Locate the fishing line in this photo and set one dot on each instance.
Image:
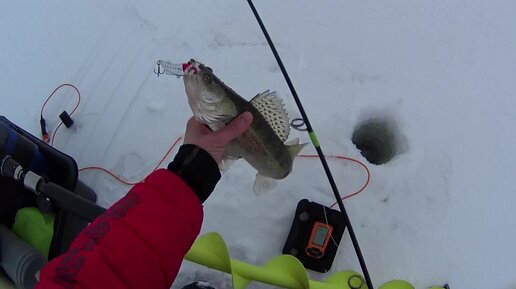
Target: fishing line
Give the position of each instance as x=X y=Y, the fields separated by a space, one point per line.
x=317 y=146
x=327 y=224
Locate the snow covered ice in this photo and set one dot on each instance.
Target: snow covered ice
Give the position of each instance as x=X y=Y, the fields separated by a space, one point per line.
x=441 y=211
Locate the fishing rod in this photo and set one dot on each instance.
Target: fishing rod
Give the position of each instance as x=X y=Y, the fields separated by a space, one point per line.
x=318 y=148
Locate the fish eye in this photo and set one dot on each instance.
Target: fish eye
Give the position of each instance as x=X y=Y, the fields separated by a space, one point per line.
x=209 y=68
x=206 y=77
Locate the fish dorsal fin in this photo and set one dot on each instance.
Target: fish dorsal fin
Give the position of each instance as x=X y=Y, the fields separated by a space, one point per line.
x=270 y=106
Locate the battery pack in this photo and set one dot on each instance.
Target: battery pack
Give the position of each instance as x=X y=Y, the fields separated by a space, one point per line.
x=315 y=228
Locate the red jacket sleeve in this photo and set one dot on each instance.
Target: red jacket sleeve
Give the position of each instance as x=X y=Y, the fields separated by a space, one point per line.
x=139 y=242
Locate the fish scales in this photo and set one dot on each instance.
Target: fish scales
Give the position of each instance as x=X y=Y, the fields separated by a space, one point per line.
x=215 y=104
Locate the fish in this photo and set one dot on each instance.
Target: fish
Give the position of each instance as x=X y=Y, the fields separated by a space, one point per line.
x=264 y=146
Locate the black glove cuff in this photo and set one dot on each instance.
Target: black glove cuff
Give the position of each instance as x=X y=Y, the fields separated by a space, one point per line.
x=197 y=168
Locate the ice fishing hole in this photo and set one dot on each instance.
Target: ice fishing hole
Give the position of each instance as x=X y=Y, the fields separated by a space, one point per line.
x=377 y=140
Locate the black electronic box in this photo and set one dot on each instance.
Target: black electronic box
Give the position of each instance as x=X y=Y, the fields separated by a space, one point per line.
x=315 y=235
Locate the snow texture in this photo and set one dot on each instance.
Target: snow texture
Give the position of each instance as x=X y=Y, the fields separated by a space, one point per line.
x=441 y=72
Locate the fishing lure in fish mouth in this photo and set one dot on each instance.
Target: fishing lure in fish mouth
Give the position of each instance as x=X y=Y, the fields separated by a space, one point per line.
x=181 y=69
x=265 y=145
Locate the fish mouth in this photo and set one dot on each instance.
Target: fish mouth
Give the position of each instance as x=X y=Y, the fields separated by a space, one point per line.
x=191 y=67
x=195 y=67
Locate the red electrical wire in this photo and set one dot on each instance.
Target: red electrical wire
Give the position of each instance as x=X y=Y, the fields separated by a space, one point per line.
x=73 y=110
x=302 y=156
x=348 y=159
x=108 y=172
x=175 y=143
x=96 y=167
x=128 y=182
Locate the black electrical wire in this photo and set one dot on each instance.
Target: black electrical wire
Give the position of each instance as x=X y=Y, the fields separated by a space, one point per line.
x=317 y=147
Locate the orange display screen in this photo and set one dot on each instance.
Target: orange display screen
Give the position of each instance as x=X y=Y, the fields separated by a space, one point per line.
x=319 y=238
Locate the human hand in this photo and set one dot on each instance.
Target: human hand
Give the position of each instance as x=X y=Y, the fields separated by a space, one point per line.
x=215 y=142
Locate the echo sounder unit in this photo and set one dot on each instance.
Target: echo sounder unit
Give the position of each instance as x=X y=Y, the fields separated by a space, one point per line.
x=315 y=235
